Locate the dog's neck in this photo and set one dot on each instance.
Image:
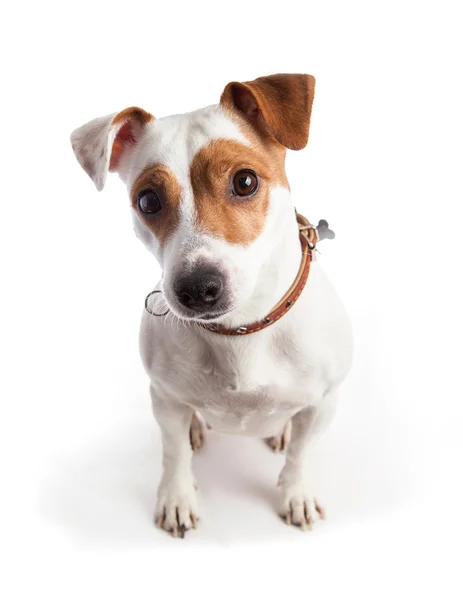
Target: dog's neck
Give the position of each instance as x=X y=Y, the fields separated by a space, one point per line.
x=275 y=277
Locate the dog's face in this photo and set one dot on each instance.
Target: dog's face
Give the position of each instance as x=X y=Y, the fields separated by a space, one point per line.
x=208 y=189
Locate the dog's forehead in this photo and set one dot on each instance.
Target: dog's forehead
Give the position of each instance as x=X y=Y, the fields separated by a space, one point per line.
x=174 y=141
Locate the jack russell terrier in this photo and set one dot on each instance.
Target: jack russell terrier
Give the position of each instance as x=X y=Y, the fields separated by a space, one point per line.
x=262 y=342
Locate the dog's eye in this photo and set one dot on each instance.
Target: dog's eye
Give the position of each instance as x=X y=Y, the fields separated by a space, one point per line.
x=245 y=182
x=148 y=202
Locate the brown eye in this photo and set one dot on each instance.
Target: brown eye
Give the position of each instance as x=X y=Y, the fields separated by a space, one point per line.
x=245 y=183
x=148 y=202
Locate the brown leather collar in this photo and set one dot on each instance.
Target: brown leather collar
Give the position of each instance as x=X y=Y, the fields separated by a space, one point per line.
x=309 y=238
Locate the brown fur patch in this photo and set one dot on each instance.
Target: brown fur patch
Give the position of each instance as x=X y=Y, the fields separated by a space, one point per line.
x=239 y=220
x=162 y=180
x=133 y=113
x=277 y=105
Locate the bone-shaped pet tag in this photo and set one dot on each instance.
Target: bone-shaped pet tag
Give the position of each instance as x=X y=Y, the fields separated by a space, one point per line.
x=323 y=231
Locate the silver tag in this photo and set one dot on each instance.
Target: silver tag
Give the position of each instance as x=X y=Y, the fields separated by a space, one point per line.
x=323 y=231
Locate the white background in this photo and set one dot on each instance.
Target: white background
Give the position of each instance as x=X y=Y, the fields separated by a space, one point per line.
x=80 y=452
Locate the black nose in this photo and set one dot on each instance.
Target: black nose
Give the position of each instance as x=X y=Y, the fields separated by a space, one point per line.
x=199 y=290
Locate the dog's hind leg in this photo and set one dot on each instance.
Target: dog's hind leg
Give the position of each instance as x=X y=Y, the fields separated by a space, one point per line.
x=279 y=443
x=197 y=433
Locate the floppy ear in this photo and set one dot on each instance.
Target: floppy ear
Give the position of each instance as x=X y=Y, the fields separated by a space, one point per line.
x=279 y=105
x=100 y=144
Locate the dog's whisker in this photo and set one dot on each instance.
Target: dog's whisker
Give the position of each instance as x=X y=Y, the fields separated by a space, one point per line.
x=172 y=320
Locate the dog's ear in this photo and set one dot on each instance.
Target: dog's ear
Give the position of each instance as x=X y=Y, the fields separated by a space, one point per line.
x=279 y=105
x=101 y=144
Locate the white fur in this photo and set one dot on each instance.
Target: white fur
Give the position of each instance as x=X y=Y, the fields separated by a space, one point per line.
x=252 y=384
x=92 y=143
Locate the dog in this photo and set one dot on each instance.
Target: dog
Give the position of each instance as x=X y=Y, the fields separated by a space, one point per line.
x=262 y=342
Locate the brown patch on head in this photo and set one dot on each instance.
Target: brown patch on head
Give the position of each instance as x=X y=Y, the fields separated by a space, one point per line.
x=161 y=180
x=277 y=106
x=129 y=122
x=239 y=220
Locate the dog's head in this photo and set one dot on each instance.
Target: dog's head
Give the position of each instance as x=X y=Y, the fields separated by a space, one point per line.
x=208 y=189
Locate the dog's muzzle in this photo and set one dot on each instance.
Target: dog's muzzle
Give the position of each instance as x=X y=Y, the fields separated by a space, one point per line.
x=203 y=289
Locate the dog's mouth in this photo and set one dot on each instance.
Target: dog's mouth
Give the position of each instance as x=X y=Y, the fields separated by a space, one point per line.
x=200 y=317
x=211 y=316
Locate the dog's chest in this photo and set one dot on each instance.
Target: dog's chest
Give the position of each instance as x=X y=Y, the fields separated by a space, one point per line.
x=247 y=388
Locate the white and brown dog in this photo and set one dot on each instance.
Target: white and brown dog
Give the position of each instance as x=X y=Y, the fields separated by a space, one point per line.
x=210 y=199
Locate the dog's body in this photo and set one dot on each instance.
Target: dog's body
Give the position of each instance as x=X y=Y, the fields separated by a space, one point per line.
x=253 y=385
x=210 y=199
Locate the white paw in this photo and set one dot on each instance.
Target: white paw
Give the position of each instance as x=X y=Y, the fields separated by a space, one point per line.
x=176 y=508
x=299 y=507
x=279 y=443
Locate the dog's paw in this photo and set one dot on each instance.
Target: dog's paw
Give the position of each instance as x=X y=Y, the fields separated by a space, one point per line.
x=299 y=507
x=279 y=443
x=197 y=433
x=176 y=509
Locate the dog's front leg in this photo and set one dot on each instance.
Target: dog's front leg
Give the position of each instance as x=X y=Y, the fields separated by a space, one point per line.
x=176 y=508
x=299 y=506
